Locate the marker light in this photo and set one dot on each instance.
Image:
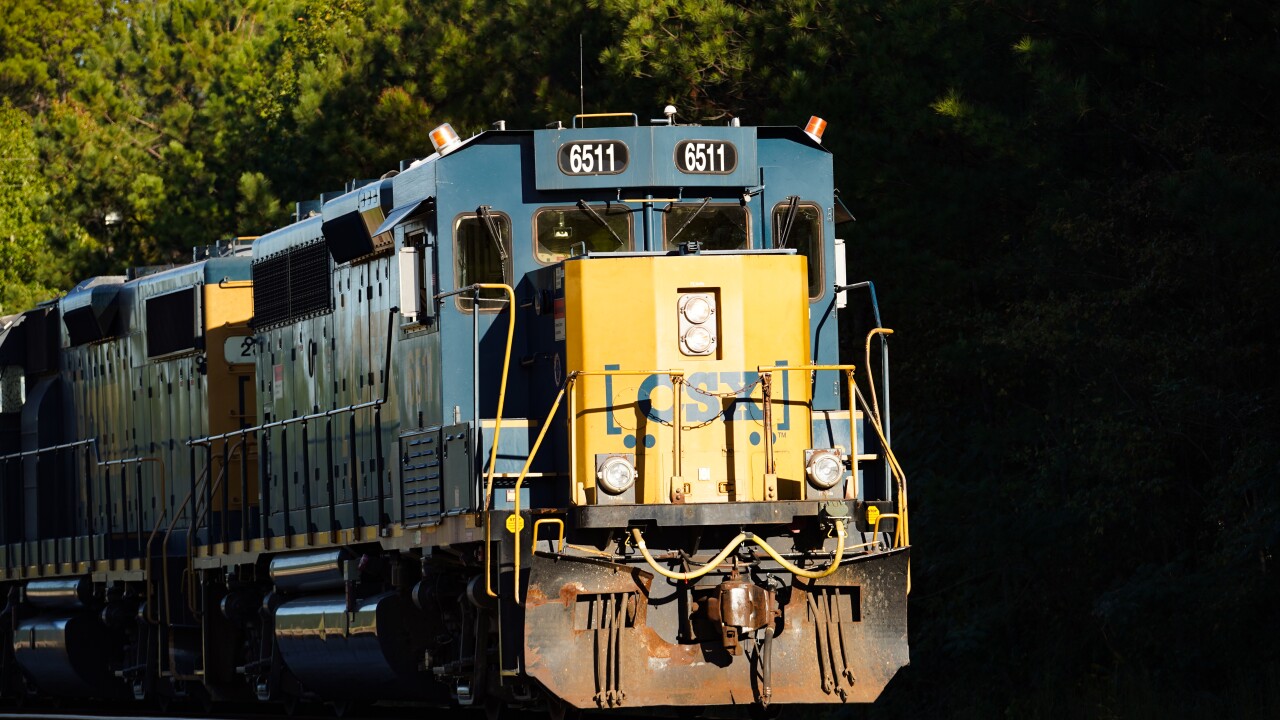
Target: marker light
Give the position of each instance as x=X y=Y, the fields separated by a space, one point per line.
x=445 y=139
x=615 y=473
x=825 y=469
x=815 y=128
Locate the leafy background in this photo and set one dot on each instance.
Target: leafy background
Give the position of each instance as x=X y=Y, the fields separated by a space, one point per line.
x=1069 y=209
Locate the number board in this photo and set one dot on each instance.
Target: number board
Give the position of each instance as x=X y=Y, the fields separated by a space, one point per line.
x=603 y=157
x=706 y=157
x=238 y=349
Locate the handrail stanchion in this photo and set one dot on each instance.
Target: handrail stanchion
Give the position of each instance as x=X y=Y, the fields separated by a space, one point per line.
x=677 y=418
x=354 y=477
x=333 y=503
x=380 y=467
x=39 y=546
x=572 y=411
x=138 y=506
x=766 y=394
x=208 y=497
x=90 y=516
x=477 y=436
x=286 y=509
x=244 y=494
x=306 y=481
x=264 y=484
x=109 y=510
x=853 y=433
x=224 y=530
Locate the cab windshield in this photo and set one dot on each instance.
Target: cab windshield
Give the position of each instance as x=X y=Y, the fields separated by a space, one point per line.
x=561 y=232
x=715 y=226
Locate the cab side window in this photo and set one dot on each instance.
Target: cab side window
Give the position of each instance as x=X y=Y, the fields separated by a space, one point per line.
x=482 y=254
x=798 y=225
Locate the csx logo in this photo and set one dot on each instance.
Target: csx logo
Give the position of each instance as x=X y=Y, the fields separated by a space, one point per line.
x=725 y=394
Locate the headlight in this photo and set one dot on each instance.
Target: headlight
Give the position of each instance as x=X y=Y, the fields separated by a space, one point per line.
x=697 y=327
x=698 y=340
x=615 y=473
x=826 y=469
x=697 y=310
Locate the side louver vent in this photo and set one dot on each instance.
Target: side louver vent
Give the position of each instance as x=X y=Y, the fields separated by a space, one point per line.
x=292 y=285
x=173 y=323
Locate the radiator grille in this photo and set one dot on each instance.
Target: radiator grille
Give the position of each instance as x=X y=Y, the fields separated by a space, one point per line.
x=292 y=285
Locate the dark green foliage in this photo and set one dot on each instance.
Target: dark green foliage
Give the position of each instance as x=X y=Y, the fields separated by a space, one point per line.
x=1069 y=209
x=1091 y=358
x=31 y=234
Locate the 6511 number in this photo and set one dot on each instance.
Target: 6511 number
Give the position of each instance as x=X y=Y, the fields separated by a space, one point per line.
x=706 y=157
x=606 y=157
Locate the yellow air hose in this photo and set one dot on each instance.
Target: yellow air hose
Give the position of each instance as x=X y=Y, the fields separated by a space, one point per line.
x=733 y=544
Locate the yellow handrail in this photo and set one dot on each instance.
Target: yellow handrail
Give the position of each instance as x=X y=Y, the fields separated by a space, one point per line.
x=733 y=544
x=533 y=547
x=582 y=116
x=528 y=461
x=875 y=403
x=902 y=533
x=497 y=430
x=875 y=529
x=902 y=536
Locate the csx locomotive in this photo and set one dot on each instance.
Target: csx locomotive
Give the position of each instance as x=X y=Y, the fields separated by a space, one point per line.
x=553 y=419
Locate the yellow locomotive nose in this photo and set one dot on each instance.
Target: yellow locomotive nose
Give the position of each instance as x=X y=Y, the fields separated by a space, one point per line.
x=667 y=351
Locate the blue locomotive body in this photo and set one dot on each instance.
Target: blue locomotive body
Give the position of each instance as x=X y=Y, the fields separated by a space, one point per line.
x=551 y=418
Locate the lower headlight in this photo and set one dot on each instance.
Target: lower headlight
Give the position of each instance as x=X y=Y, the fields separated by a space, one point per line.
x=698 y=340
x=826 y=469
x=615 y=474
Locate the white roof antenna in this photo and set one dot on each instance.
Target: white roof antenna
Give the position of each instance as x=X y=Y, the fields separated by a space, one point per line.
x=670 y=112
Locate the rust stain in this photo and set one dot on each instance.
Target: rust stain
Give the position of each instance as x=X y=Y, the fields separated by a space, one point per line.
x=569 y=593
x=534 y=597
x=653 y=643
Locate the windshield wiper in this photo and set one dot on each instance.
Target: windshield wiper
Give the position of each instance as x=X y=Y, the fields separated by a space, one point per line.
x=485 y=213
x=486 y=216
x=591 y=212
x=672 y=240
x=793 y=203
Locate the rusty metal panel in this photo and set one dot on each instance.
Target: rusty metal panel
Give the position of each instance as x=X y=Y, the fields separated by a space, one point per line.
x=847 y=654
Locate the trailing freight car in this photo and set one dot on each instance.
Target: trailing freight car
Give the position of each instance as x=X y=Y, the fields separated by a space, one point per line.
x=565 y=418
